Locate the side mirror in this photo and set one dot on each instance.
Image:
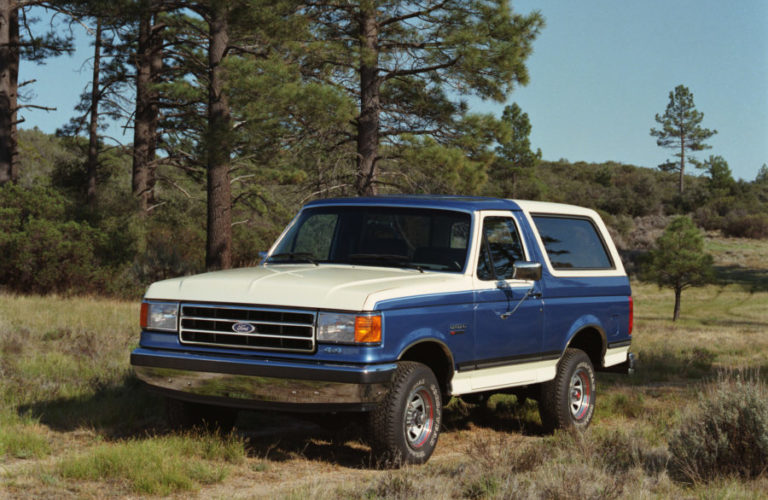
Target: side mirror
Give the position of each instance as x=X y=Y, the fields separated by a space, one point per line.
x=524 y=270
x=262 y=257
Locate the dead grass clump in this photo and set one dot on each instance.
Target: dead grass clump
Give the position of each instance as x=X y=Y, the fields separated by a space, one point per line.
x=577 y=481
x=726 y=435
x=508 y=452
x=498 y=465
x=620 y=451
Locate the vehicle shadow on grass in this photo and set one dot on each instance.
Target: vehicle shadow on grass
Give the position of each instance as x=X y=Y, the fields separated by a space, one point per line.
x=280 y=437
x=502 y=412
x=115 y=411
x=131 y=411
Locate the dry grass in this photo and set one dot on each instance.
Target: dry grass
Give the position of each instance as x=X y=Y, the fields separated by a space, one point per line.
x=75 y=423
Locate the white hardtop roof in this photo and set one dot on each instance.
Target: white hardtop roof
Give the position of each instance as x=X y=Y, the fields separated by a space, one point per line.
x=546 y=207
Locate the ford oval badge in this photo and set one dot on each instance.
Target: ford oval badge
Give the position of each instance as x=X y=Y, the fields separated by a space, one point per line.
x=243 y=328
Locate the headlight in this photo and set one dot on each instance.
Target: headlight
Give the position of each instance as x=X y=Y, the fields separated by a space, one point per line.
x=349 y=328
x=160 y=316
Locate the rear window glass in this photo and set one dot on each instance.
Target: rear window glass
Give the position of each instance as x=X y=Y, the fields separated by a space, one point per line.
x=572 y=243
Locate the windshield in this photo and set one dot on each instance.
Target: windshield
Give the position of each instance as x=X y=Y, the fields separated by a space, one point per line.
x=423 y=239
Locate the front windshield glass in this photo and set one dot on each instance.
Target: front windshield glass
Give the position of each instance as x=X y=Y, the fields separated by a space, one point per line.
x=424 y=239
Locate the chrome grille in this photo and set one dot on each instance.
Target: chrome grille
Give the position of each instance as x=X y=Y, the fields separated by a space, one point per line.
x=270 y=329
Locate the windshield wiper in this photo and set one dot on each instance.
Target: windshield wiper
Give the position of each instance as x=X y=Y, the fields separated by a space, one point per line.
x=396 y=260
x=294 y=257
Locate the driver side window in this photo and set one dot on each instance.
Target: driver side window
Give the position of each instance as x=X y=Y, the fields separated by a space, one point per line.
x=500 y=249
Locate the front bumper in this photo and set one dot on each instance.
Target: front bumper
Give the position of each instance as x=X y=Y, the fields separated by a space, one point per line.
x=263 y=383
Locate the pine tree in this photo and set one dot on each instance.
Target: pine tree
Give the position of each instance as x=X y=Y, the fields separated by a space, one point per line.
x=681 y=130
x=679 y=260
x=720 y=180
x=224 y=123
x=515 y=159
x=17 y=45
x=403 y=61
x=762 y=175
x=148 y=63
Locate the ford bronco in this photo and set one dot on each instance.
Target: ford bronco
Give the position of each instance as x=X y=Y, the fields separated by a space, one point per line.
x=390 y=306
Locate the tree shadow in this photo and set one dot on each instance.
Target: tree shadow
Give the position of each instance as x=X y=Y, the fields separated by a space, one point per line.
x=752 y=280
x=670 y=367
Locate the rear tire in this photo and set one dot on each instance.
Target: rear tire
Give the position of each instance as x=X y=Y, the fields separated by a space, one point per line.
x=184 y=415
x=568 y=401
x=405 y=426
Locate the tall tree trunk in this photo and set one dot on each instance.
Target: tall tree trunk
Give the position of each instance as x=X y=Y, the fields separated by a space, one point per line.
x=156 y=68
x=368 y=123
x=92 y=164
x=678 y=293
x=9 y=67
x=142 y=127
x=219 y=232
x=682 y=166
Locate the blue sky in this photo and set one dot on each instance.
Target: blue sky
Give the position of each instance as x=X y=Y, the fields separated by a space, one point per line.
x=600 y=71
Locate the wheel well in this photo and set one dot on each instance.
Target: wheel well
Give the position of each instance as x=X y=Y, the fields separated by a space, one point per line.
x=436 y=357
x=590 y=341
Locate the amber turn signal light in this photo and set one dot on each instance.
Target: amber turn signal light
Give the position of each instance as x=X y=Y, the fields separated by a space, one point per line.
x=367 y=329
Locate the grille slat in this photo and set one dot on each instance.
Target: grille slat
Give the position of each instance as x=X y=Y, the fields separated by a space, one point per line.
x=233 y=321
x=273 y=329
x=213 y=332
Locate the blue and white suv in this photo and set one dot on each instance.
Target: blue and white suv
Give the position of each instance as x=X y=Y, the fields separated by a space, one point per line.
x=391 y=305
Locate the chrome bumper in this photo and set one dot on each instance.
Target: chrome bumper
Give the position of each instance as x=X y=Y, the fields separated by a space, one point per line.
x=267 y=384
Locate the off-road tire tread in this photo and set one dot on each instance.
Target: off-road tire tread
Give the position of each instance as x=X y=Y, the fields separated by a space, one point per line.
x=382 y=433
x=555 y=415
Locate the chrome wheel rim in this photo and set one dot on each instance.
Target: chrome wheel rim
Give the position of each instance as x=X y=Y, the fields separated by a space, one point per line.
x=580 y=394
x=419 y=417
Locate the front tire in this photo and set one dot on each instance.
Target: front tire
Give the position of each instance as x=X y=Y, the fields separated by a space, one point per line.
x=405 y=426
x=568 y=401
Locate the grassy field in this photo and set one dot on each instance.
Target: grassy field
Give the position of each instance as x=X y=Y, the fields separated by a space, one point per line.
x=75 y=423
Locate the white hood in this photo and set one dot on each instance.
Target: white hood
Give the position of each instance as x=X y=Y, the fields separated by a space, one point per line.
x=351 y=288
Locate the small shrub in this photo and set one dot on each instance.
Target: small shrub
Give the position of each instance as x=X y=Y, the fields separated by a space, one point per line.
x=727 y=435
x=622 y=450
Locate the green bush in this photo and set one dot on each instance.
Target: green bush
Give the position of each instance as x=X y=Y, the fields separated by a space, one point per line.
x=42 y=250
x=753 y=226
x=726 y=436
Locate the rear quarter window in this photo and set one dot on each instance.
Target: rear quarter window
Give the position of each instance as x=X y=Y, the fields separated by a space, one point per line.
x=572 y=243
